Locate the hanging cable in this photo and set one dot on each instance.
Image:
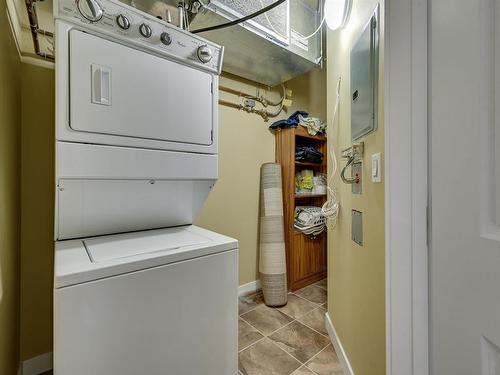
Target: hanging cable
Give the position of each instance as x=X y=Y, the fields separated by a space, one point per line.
x=315 y=31
x=331 y=207
x=239 y=20
x=323 y=19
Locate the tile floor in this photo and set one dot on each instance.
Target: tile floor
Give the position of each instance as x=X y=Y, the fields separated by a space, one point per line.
x=290 y=340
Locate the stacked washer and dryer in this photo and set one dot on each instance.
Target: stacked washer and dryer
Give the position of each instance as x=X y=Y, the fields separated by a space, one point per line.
x=138 y=288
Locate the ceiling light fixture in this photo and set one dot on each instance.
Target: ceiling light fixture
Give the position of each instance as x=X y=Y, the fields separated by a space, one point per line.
x=336 y=13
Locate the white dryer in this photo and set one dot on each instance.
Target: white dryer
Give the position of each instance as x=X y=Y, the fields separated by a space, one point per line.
x=136 y=120
x=138 y=288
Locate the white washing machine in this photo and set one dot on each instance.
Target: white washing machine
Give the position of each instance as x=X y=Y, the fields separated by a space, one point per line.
x=138 y=289
x=152 y=302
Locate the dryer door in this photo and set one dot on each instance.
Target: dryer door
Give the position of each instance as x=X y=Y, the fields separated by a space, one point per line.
x=120 y=91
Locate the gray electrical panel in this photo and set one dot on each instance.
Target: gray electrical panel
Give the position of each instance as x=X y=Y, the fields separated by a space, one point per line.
x=357 y=227
x=364 y=80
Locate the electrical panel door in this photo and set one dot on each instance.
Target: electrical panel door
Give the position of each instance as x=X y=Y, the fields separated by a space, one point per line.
x=364 y=80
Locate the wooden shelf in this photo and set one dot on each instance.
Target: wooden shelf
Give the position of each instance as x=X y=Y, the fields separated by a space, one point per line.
x=306 y=256
x=313 y=165
x=307 y=196
x=301 y=132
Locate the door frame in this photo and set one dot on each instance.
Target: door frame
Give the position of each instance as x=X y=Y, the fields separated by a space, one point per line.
x=406 y=189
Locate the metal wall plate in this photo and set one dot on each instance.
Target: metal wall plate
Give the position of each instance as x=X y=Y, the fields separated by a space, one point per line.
x=357 y=170
x=357 y=227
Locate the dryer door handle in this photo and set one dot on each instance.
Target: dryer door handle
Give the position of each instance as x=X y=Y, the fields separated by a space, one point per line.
x=101 y=85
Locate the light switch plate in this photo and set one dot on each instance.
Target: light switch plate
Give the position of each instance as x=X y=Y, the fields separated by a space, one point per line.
x=377 y=167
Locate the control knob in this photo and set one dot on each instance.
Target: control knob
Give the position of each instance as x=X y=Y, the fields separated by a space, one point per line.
x=145 y=31
x=123 y=22
x=166 y=38
x=204 y=54
x=90 y=9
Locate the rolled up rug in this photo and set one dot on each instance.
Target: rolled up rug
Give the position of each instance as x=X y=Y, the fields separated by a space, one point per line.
x=272 y=263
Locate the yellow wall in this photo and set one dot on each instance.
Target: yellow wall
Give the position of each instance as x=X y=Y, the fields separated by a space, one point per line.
x=37 y=210
x=245 y=144
x=10 y=132
x=232 y=207
x=356 y=275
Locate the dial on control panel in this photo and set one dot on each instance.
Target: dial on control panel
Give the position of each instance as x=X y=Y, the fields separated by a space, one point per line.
x=90 y=10
x=145 y=31
x=204 y=54
x=123 y=22
x=166 y=38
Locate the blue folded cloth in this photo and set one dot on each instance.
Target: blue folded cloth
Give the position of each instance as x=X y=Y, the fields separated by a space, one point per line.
x=308 y=154
x=290 y=122
x=302 y=150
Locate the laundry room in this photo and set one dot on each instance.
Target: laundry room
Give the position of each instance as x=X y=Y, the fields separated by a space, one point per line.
x=208 y=171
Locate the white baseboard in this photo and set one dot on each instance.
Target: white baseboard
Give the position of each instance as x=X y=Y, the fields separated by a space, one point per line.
x=37 y=365
x=248 y=288
x=339 y=349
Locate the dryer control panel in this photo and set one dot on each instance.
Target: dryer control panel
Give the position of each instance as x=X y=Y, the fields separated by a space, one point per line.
x=134 y=27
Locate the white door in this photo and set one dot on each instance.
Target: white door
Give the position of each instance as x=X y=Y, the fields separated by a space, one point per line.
x=464 y=115
x=120 y=91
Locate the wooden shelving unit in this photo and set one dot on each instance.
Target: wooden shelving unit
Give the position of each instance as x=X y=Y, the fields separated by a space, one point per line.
x=306 y=255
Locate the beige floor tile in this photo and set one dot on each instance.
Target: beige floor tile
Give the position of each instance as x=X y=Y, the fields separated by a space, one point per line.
x=297 y=306
x=322 y=283
x=266 y=319
x=300 y=341
x=326 y=363
x=247 y=335
x=265 y=358
x=249 y=302
x=303 y=371
x=313 y=293
x=315 y=320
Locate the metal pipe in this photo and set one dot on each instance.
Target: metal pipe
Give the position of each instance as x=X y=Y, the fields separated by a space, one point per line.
x=35 y=30
x=235 y=92
x=265 y=102
x=264 y=114
x=230 y=104
x=45 y=33
x=180 y=8
x=351 y=180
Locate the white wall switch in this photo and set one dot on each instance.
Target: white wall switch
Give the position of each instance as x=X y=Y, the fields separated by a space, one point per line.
x=377 y=167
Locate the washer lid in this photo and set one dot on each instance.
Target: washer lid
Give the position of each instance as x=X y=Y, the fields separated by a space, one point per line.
x=83 y=260
x=117 y=246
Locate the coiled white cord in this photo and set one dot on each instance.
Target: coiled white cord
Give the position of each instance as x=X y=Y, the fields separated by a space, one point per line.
x=331 y=207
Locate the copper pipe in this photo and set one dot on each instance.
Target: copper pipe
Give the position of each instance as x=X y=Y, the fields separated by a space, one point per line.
x=230 y=104
x=35 y=30
x=236 y=92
